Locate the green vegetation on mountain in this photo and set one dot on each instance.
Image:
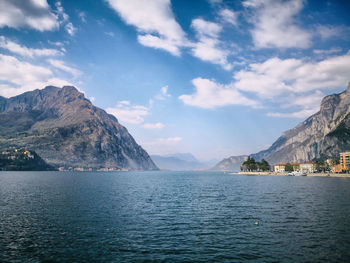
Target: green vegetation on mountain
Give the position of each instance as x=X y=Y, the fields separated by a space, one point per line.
x=22 y=160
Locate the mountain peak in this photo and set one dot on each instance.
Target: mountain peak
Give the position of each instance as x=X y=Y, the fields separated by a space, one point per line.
x=66 y=129
x=324 y=134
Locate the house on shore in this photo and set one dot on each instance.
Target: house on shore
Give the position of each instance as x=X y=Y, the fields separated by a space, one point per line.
x=306 y=167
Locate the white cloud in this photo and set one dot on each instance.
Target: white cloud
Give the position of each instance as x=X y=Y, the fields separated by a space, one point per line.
x=330 y=31
x=310 y=104
x=82 y=16
x=111 y=34
x=155 y=22
x=152 y=126
x=35 y=14
x=289 y=83
x=299 y=114
x=64 y=19
x=19 y=76
x=229 y=16
x=163 y=146
x=294 y=82
x=71 y=30
x=128 y=113
x=163 y=94
x=274 y=24
x=56 y=43
x=276 y=76
x=208 y=47
x=60 y=64
x=215 y=2
x=25 y=51
x=327 y=51
x=210 y=94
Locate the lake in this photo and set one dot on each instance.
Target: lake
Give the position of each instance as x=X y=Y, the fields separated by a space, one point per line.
x=172 y=217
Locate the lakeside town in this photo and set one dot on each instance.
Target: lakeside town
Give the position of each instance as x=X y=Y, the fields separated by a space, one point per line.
x=328 y=167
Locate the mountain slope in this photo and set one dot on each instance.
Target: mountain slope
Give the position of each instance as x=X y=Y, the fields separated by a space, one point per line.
x=65 y=129
x=232 y=163
x=178 y=162
x=324 y=134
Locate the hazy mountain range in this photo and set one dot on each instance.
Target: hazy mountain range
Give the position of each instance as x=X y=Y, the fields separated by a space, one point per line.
x=181 y=162
x=324 y=134
x=65 y=129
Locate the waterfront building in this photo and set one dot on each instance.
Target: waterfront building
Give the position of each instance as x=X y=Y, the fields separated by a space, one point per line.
x=307 y=167
x=345 y=160
x=337 y=168
x=280 y=168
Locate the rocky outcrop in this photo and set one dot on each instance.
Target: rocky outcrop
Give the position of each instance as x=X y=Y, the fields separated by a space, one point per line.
x=324 y=134
x=65 y=129
x=232 y=163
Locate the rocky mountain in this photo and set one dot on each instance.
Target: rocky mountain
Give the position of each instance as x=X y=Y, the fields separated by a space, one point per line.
x=65 y=129
x=179 y=162
x=232 y=163
x=322 y=135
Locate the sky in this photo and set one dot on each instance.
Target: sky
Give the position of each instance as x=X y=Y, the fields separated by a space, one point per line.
x=213 y=78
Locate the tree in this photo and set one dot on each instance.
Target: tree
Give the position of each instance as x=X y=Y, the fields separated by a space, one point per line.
x=334 y=161
x=249 y=164
x=264 y=165
x=289 y=168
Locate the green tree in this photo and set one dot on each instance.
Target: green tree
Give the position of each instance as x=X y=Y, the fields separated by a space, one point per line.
x=289 y=168
x=334 y=161
x=249 y=164
x=264 y=165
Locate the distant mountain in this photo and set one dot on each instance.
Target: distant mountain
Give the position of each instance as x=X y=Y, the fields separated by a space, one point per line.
x=65 y=129
x=324 y=134
x=188 y=157
x=179 y=162
x=232 y=163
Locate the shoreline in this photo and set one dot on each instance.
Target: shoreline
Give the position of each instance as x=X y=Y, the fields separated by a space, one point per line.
x=286 y=174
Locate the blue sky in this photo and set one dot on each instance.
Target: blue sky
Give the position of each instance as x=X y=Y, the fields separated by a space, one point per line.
x=210 y=77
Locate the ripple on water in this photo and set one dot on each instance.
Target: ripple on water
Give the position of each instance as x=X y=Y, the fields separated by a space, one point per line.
x=172 y=217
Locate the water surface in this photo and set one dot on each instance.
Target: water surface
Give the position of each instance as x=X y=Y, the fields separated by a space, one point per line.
x=172 y=217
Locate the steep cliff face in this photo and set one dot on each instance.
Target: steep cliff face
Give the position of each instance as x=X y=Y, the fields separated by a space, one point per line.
x=232 y=163
x=324 y=134
x=65 y=129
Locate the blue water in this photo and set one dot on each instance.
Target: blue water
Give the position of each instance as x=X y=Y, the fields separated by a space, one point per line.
x=172 y=217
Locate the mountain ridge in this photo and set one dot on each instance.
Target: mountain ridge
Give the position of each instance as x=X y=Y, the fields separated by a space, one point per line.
x=180 y=162
x=66 y=129
x=322 y=135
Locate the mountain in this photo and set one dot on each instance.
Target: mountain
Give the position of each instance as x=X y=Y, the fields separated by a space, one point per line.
x=188 y=157
x=66 y=130
x=22 y=160
x=232 y=163
x=324 y=134
x=179 y=162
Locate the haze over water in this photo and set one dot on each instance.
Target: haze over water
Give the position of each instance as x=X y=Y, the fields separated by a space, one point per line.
x=172 y=217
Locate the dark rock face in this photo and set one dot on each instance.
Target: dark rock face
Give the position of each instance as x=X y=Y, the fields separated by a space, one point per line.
x=65 y=129
x=324 y=134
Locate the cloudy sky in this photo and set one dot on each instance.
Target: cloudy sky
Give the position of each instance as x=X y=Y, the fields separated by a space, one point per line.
x=211 y=77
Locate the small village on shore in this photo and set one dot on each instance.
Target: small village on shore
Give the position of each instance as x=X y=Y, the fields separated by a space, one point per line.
x=332 y=167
